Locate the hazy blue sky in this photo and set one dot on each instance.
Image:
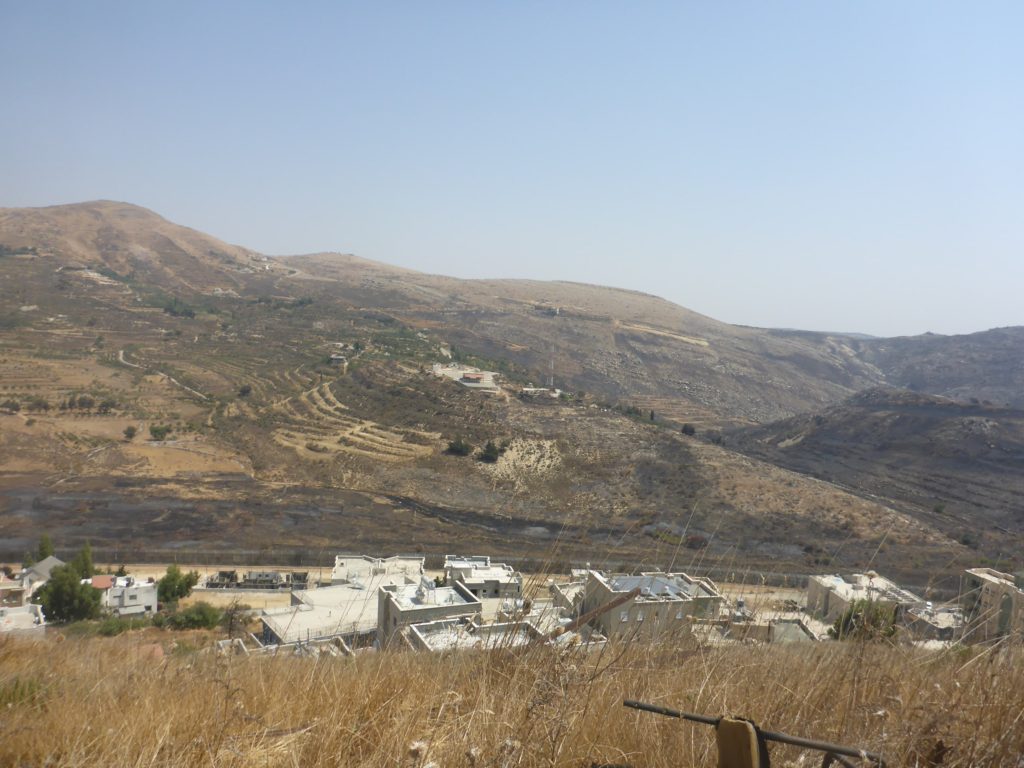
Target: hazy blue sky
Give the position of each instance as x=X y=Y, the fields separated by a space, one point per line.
x=823 y=165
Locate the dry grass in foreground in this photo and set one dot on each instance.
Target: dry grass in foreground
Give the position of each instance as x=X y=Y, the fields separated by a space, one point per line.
x=106 y=702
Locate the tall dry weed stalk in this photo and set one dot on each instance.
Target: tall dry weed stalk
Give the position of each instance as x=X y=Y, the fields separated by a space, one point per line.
x=109 y=702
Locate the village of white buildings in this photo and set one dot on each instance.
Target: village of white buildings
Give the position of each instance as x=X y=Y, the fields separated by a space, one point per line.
x=366 y=604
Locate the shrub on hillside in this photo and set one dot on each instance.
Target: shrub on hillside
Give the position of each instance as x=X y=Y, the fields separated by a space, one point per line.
x=197 y=616
x=865 y=620
x=459 y=447
x=490 y=452
x=159 y=431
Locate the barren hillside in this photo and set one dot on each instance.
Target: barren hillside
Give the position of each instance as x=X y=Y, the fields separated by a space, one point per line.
x=247 y=434
x=956 y=466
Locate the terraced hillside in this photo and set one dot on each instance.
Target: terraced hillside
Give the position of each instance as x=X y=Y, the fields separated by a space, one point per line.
x=316 y=423
x=249 y=428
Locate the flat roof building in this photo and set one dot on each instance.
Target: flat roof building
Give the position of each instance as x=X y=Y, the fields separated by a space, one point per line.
x=399 y=606
x=348 y=610
x=361 y=568
x=483 y=578
x=305 y=624
x=664 y=605
x=126 y=596
x=828 y=597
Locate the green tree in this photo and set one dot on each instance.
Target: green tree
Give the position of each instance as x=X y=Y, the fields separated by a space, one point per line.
x=129 y=432
x=159 y=431
x=11 y=405
x=245 y=390
x=82 y=562
x=45 y=548
x=689 y=430
x=65 y=598
x=175 y=584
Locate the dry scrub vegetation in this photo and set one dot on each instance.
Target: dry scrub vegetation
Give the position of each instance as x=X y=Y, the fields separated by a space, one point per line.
x=109 y=702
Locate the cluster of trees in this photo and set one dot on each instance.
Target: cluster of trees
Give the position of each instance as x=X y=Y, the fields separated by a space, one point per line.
x=87 y=403
x=178 y=308
x=68 y=596
x=65 y=596
x=34 y=403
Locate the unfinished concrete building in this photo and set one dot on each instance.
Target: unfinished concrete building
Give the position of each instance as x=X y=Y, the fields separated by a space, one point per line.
x=482 y=577
x=664 y=604
x=463 y=634
x=829 y=597
x=399 y=606
x=992 y=604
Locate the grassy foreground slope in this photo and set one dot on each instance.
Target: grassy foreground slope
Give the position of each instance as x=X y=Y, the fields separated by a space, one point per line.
x=110 y=702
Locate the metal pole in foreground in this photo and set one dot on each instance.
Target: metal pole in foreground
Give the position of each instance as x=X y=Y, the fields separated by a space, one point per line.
x=782 y=738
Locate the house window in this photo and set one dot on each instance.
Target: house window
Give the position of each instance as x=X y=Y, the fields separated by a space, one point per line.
x=133 y=597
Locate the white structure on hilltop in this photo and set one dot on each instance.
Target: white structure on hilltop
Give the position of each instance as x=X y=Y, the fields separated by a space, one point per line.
x=467 y=376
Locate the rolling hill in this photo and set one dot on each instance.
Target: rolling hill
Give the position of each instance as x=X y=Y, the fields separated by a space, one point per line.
x=271 y=444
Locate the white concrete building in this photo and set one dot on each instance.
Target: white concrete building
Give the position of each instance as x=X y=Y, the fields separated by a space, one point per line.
x=402 y=605
x=992 y=603
x=22 y=620
x=828 y=597
x=126 y=596
x=482 y=577
x=349 y=569
x=666 y=603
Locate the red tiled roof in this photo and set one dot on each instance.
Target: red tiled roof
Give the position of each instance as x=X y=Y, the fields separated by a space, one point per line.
x=102 y=582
